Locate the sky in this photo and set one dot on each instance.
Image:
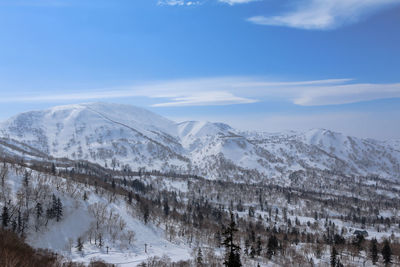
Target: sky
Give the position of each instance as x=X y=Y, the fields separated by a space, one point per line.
x=268 y=65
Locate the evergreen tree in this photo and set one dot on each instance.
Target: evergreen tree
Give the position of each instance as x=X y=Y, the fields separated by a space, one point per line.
x=232 y=258
x=239 y=206
x=58 y=210
x=54 y=205
x=146 y=213
x=258 y=246
x=14 y=225
x=5 y=217
x=246 y=247
x=53 y=169
x=272 y=246
x=166 y=208
x=252 y=252
x=39 y=210
x=26 y=179
x=50 y=213
x=19 y=222
x=251 y=212
x=333 y=257
x=374 y=251
x=199 y=259
x=79 y=245
x=130 y=197
x=387 y=252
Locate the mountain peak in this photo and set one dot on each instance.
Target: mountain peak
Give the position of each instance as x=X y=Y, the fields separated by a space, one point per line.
x=106 y=132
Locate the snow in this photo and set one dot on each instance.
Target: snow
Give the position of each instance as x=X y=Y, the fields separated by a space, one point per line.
x=77 y=219
x=115 y=135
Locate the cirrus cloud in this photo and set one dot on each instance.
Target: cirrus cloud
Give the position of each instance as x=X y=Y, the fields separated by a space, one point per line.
x=229 y=91
x=322 y=14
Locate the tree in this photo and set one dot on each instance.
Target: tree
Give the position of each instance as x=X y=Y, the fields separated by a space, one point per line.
x=79 y=245
x=272 y=246
x=374 y=251
x=58 y=210
x=166 y=208
x=252 y=252
x=199 y=258
x=130 y=197
x=232 y=258
x=146 y=212
x=100 y=241
x=386 y=252
x=258 y=246
x=251 y=212
x=39 y=210
x=5 y=217
x=53 y=169
x=333 y=257
x=26 y=179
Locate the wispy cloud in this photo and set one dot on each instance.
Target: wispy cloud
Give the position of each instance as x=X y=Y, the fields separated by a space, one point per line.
x=322 y=14
x=234 y=2
x=229 y=91
x=206 y=99
x=178 y=3
x=199 y=2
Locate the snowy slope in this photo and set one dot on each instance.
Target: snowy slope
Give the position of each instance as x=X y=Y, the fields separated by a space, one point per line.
x=107 y=134
x=117 y=221
x=119 y=136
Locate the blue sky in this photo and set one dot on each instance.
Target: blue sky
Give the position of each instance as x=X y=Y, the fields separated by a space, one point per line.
x=265 y=64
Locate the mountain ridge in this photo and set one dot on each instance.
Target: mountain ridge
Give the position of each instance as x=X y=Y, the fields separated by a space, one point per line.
x=124 y=136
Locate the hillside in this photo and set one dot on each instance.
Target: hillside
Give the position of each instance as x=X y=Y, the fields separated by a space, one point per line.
x=123 y=136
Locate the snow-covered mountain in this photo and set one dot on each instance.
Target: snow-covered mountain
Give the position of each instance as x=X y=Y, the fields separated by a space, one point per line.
x=121 y=136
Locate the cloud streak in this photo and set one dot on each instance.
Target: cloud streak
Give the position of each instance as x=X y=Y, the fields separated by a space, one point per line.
x=178 y=3
x=323 y=15
x=235 y=2
x=199 y=2
x=230 y=91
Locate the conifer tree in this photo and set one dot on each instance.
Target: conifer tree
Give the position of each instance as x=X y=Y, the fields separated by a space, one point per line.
x=199 y=259
x=374 y=251
x=53 y=169
x=26 y=179
x=232 y=258
x=5 y=217
x=387 y=252
x=130 y=197
x=79 y=245
x=258 y=246
x=39 y=210
x=272 y=246
x=58 y=210
x=166 y=208
x=333 y=257
x=252 y=252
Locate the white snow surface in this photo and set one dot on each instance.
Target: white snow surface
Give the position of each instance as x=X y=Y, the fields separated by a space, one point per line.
x=116 y=135
x=61 y=237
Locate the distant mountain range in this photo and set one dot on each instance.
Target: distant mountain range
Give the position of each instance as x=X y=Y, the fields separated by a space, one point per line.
x=123 y=136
